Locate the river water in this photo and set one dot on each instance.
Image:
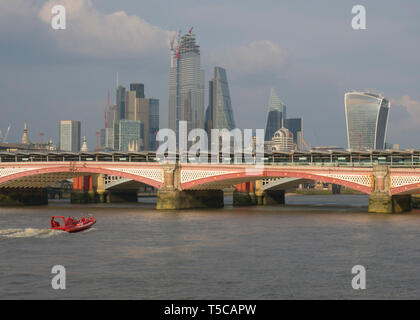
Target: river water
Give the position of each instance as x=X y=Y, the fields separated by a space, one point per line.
x=304 y=250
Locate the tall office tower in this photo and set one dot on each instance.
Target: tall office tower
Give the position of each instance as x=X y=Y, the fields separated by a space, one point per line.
x=276 y=115
x=366 y=119
x=219 y=113
x=107 y=134
x=147 y=111
x=295 y=126
x=128 y=135
x=138 y=88
x=69 y=136
x=153 y=123
x=120 y=101
x=130 y=106
x=186 y=84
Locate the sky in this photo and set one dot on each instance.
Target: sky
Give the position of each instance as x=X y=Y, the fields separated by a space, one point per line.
x=306 y=50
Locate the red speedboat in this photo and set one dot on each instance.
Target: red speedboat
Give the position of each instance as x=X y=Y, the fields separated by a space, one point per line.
x=71 y=224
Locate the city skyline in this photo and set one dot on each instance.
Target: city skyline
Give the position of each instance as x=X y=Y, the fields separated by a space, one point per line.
x=312 y=85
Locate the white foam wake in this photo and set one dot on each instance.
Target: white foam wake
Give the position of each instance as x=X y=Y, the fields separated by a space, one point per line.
x=29 y=233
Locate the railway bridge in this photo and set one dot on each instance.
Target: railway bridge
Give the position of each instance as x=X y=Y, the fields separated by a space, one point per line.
x=24 y=177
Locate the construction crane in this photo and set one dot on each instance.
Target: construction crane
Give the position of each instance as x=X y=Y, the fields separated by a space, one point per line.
x=7 y=133
x=306 y=145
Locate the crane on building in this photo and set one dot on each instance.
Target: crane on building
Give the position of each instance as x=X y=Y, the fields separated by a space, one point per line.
x=7 y=133
x=306 y=145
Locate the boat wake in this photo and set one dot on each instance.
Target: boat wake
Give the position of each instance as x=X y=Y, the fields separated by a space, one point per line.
x=29 y=233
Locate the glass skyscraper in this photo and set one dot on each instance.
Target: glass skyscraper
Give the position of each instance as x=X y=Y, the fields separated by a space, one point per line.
x=219 y=113
x=120 y=97
x=366 y=119
x=276 y=115
x=128 y=135
x=186 y=84
x=295 y=126
x=69 y=136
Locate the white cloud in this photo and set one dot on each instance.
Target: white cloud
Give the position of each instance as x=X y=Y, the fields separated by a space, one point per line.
x=94 y=34
x=258 y=56
x=413 y=108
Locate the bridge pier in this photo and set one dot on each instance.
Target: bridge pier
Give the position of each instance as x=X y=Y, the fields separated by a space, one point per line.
x=171 y=197
x=384 y=203
x=83 y=191
x=273 y=197
x=415 y=201
x=244 y=195
x=23 y=197
x=189 y=199
x=381 y=200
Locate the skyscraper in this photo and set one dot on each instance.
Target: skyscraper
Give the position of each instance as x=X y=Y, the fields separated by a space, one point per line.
x=276 y=115
x=295 y=125
x=186 y=84
x=366 y=119
x=69 y=136
x=120 y=101
x=128 y=135
x=145 y=110
x=138 y=88
x=219 y=113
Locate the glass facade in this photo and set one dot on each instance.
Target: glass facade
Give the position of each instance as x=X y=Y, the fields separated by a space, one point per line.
x=186 y=85
x=295 y=126
x=276 y=115
x=128 y=135
x=219 y=114
x=153 y=123
x=120 y=102
x=138 y=88
x=367 y=119
x=69 y=136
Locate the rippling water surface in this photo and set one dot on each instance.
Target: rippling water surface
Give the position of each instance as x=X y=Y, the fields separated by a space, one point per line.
x=305 y=249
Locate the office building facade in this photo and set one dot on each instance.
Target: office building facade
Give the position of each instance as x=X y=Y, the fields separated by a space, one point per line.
x=366 y=120
x=186 y=84
x=69 y=136
x=219 y=113
x=128 y=135
x=295 y=126
x=276 y=115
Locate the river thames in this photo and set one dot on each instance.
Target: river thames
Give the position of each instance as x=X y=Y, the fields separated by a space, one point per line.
x=304 y=250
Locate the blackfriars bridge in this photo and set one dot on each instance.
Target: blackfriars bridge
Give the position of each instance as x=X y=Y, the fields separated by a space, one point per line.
x=389 y=178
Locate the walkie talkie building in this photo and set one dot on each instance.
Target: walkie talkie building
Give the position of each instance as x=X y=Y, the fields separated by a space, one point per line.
x=367 y=119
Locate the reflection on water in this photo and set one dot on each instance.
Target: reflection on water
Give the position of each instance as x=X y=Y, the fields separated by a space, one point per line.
x=305 y=249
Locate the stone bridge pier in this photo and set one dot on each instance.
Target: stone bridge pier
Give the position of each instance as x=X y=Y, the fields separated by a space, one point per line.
x=252 y=193
x=171 y=196
x=381 y=199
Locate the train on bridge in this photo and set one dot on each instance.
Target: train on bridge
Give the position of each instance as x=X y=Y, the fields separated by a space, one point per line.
x=395 y=158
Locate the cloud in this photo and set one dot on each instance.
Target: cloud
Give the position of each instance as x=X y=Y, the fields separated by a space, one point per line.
x=256 y=57
x=89 y=32
x=94 y=34
x=412 y=107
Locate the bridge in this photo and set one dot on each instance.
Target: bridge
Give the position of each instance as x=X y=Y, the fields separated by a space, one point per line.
x=387 y=177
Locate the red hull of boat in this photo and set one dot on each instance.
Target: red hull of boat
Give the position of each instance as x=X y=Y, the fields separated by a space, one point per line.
x=71 y=228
